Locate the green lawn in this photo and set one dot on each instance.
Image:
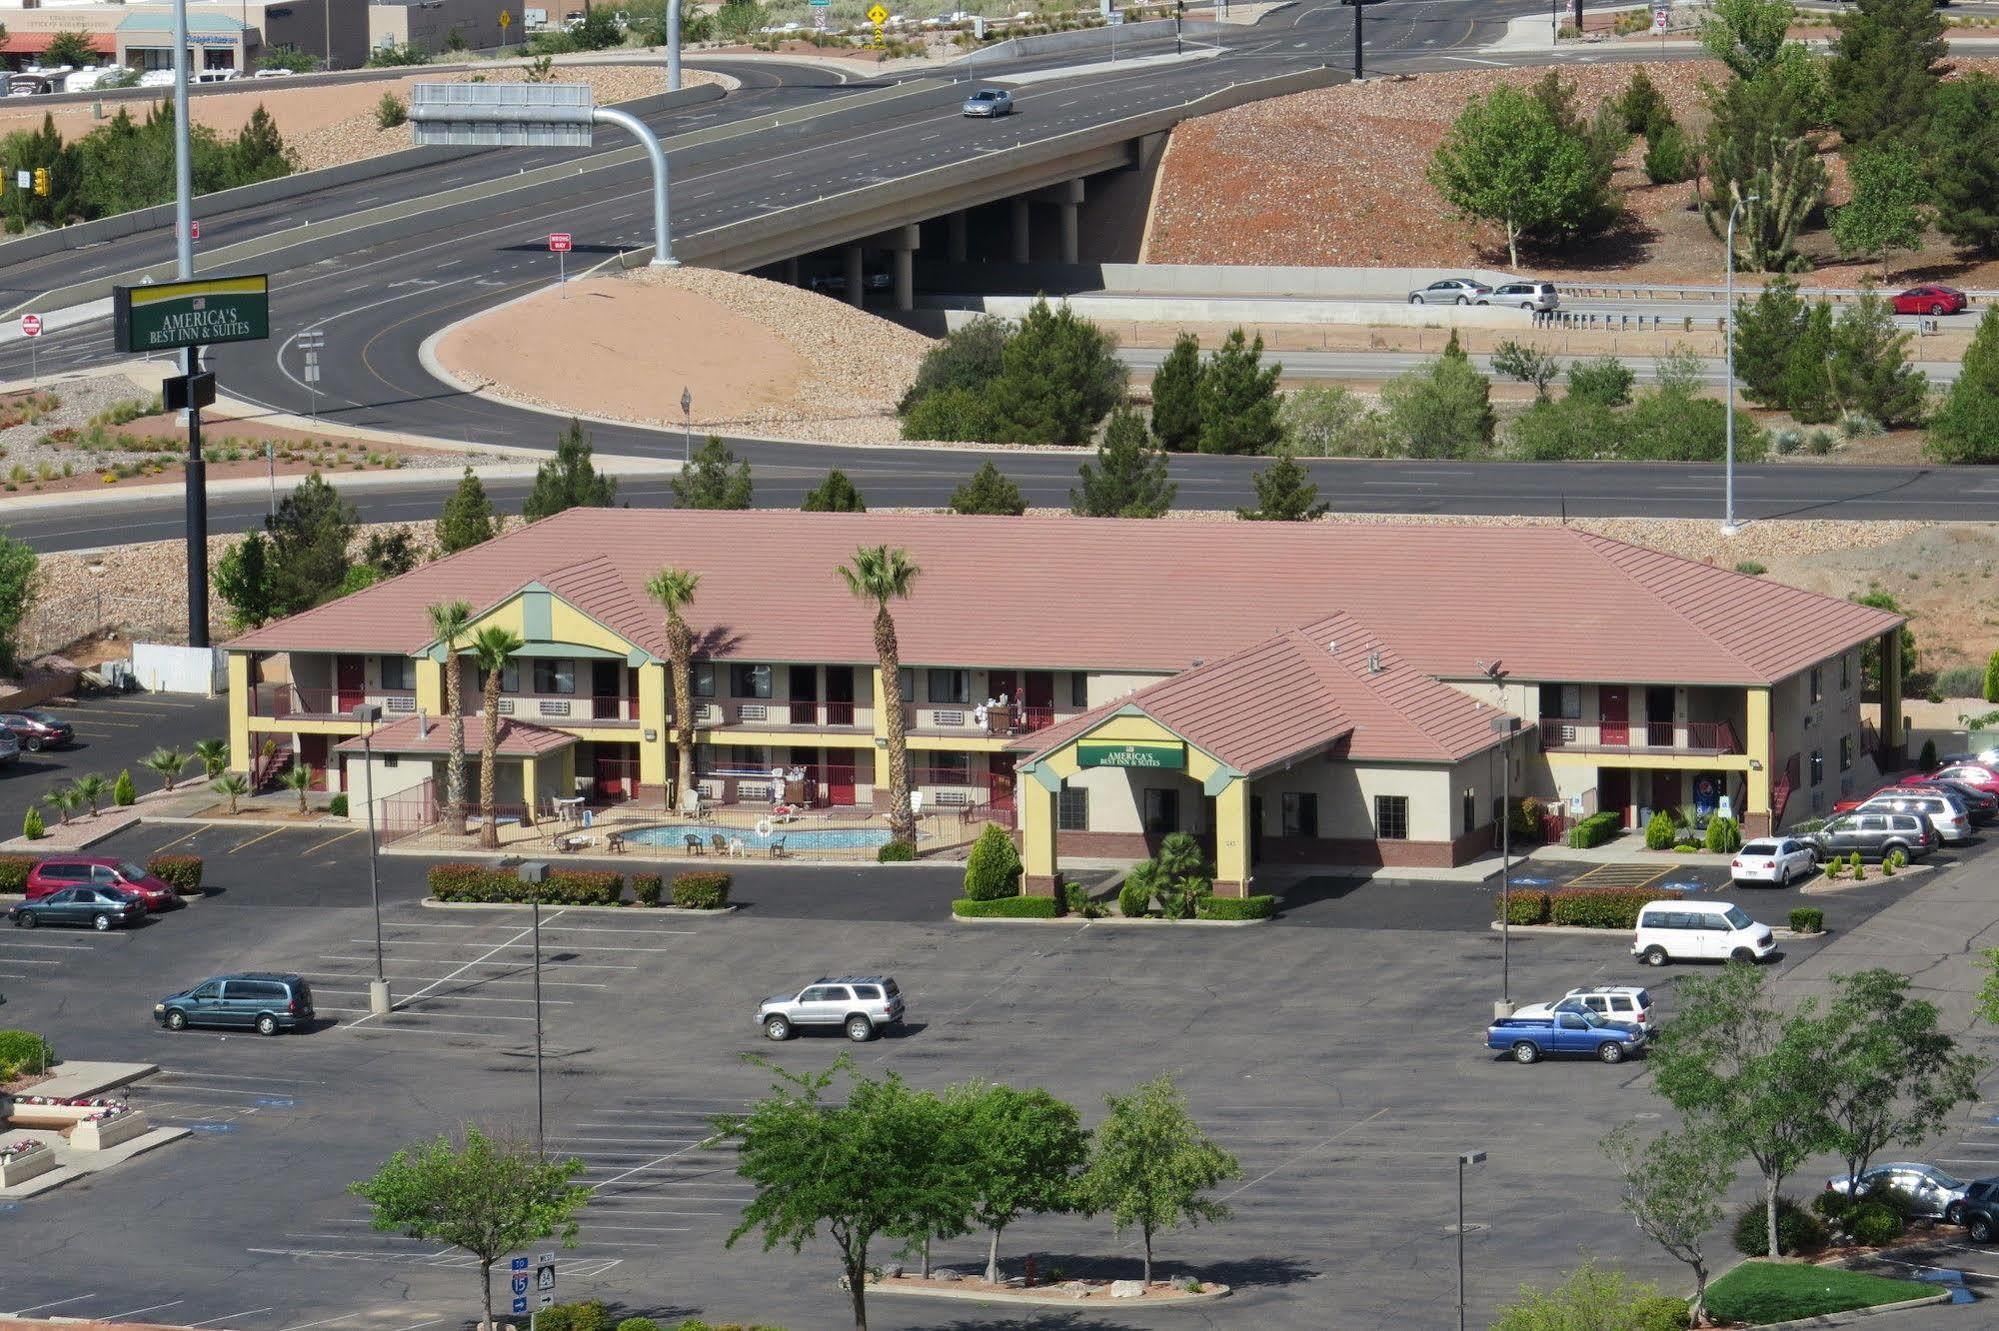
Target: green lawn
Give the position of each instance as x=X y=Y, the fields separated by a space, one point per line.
x=1762 y=1292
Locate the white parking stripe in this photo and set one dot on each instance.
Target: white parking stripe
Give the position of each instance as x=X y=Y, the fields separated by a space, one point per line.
x=132 y=1312
x=454 y=975
x=230 y=1317
x=57 y=1303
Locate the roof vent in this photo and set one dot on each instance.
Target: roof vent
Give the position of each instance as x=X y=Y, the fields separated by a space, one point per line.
x=1374 y=663
x=1334 y=646
x=422 y=725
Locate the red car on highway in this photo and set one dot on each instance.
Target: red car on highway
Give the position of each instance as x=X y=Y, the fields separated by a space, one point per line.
x=58 y=872
x=1931 y=300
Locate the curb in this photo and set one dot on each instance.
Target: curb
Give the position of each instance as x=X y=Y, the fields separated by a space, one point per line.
x=663 y=865
x=1854 y=1314
x=1078 y=921
x=1824 y=883
x=432 y=903
x=1060 y=1301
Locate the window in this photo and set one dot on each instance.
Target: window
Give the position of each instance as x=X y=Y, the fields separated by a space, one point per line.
x=1562 y=701
x=1845 y=671
x=510 y=678
x=1162 y=812
x=1079 y=689
x=1469 y=810
x=398 y=672
x=704 y=678
x=950 y=769
x=951 y=686
x=1072 y=809
x=1300 y=810
x=874 y=991
x=1846 y=753
x=555 y=677
x=1818 y=766
x=749 y=681
x=1818 y=684
x=1391 y=817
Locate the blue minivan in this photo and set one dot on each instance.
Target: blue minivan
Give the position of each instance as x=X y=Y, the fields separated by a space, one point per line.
x=256 y=1000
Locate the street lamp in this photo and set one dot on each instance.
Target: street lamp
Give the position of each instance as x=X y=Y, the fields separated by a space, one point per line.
x=368 y=714
x=1728 y=524
x=534 y=873
x=1464 y=1158
x=686 y=426
x=1508 y=725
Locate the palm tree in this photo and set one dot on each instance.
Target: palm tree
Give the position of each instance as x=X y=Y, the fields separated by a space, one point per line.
x=234 y=786
x=213 y=755
x=674 y=589
x=64 y=800
x=91 y=790
x=298 y=778
x=882 y=574
x=492 y=649
x=167 y=762
x=448 y=620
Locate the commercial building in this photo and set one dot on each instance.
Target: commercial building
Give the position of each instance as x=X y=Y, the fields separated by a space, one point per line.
x=1323 y=692
x=429 y=25
x=221 y=34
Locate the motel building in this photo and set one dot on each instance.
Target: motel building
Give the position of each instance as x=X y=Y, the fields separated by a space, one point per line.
x=1291 y=694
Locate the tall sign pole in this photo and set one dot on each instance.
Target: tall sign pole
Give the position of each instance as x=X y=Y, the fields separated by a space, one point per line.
x=190 y=363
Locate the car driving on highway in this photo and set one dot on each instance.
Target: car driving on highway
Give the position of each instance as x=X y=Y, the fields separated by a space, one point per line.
x=989 y=102
x=1450 y=291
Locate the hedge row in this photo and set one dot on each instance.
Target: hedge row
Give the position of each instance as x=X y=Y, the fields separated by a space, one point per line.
x=1237 y=908
x=565 y=887
x=1582 y=907
x=1010 y=908
x=180 y=872
x=1596 y=829
x=14 y=871
x=23 y=1052
x=701 y=890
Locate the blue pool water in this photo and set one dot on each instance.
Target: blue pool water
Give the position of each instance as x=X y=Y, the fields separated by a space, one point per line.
x=796 y=839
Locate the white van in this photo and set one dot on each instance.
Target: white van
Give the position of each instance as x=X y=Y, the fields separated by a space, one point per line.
x=1699 y=931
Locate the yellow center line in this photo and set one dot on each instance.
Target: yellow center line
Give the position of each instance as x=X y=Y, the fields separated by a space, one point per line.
x=255 y=839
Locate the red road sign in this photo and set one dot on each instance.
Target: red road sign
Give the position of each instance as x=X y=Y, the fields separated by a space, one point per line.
x=559 y=242
x=31 y=325
x=194 y=230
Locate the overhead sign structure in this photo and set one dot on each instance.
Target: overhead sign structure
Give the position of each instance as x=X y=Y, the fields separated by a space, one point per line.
x=1104 y=753
x=502 y=115
x=31 y=325
x=165 y=316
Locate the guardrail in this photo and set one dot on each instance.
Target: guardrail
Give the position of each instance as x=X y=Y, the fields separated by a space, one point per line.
x=1714 y=294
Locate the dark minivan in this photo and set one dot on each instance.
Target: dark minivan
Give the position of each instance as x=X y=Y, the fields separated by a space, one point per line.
x=256 y=1000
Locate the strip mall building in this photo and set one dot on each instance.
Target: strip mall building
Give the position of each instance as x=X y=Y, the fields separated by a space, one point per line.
x=1289 y=693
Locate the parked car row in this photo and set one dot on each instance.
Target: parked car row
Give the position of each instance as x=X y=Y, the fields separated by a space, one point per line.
x=1540 y=297
x=90 y=891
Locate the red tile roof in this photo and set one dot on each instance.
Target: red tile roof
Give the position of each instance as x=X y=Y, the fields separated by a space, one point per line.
x=518 y=739
x=1552 y=603
x=1298 y=693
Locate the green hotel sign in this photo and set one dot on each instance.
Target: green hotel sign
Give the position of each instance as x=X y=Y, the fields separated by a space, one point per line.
x=163 y=316
x=1101 y=753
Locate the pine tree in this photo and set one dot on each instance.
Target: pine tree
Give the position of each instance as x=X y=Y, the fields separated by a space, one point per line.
x=714 y=479
x=1886 y=65
x=310 y=534
x=1869 y=366
x=988 y=492
x=1060 y=375
x=1966 y=428
x=1284 y=493
x=1239 y=399
x=1643 y=106
x=259 y=152
x=569 y=480
x=1176 y=396
x=467 y=518
x=1129 y=479
x=835 y=494
x=1963 y=159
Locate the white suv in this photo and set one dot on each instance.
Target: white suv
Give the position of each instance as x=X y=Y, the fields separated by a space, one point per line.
x=1537 y=296
x=858 y=1004
x=1627 y=1003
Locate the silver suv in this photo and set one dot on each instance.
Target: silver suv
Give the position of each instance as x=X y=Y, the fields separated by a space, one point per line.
x=1537 y=296
x=859 y=1004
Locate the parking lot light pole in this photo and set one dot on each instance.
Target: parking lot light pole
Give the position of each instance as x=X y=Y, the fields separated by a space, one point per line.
x=1729 y=526
x=686 y=426
x=535 y=873
x=368 y=714
x=1464 y=1158
x=1507 y=725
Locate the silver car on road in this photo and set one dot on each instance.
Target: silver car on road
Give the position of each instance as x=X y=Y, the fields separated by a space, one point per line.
x=989 y=102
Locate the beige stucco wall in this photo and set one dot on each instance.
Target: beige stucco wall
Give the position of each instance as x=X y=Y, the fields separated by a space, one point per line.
x=1799 y=726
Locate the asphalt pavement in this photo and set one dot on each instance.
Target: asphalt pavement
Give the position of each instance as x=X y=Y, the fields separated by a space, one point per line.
x=113 y=734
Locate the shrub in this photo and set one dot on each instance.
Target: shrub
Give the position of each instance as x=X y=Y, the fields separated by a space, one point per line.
x=180 y=872
x=1076 y=900
x=1895 y=860
x=1927 y=760
x=1659 y=1312
x=895 y=852
x=1527 y=824
x=1962 y=681
x=591 y=1315
x=1605 y=380
x=1522 y=906
x=1596 y=829
x=992 y=870
x=1874 y=1224
x=1724 y=835
x=1834 y=1207
x=32 y=826
x=1661 y=831
x=1008 y=908
x=646 y=888
x=565 y=887
x=1235 y=908
x=1807 y=919
x=1752 y=568
x=337 y=806
x=1602 y=907
x=1888 y=866
x=1134 y=895
x=23 y=1052
x=701 y=889
x=390 y=111
x=638 y=1324
x=1798 y=1230
x=1669 y=156
x=1859 y=869
x=14 y=871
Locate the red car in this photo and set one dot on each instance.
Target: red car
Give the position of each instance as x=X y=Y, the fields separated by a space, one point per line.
x=1978 y=775
x=1931 y=300
x=1852 y=802
x=52 y=875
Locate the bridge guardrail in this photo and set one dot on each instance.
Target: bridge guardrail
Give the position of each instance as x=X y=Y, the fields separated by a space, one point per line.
x=1714 y=294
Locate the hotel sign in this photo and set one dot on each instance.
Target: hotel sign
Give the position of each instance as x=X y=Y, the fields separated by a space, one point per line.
x=162 y=316
x=1100 y=753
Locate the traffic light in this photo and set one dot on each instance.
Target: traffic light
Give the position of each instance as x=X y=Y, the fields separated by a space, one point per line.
x=42 y=181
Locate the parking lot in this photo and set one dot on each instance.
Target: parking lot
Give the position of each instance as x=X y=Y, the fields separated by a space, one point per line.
x=112 y=735
x=1343 y=1064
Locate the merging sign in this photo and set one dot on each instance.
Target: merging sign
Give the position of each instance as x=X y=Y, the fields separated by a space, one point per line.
x=164 y=316
x=1103 y=753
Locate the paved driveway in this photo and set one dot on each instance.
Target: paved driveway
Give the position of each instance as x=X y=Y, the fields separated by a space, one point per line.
x=112 y=735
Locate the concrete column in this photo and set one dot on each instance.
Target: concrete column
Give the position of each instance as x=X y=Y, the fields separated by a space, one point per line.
x=856 y=292
x=530 y=789
x=240 y=756
x=1036 y=804
x=905 y=279
x=1757 y=814
x=655 y=738
x=791 y=271
x=957 y=229
x=1071 y=225
x=1893 y=741
x=1019 y=207
x=1233 y=871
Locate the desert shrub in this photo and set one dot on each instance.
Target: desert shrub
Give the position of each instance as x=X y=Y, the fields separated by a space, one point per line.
x=1134 y=895
x=1798 y=1230
x=1236 y=908
x=23 y=1052
x=180 y=872
x=1602 y=907
x=1966 y=681
x=646 y=888
x=992 y=870
x=1724 y=835
x=1807 y=919
x=1752 y=568
x=32 y=826
x=391 y=111
x=485 y=883
x=638 y=1324
x=1605 y=380
x=337 y=806
x=1669 y=156
x=1661 y=831
x=590 y=1315
x=1008 y=908
x=1874 y=1224
x=123 y=793
x=895 y=852
x=1522 y=906
x=1526 y=820
x=1894 y=860
x=1076 y=900
x=701 y=889
x=14 y=871
x=1659 y=1312
x=1927 y=760
x=1596 y=829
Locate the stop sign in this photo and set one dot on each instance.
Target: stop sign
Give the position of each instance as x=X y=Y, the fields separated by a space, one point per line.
x=31 y=325
x=559 y=242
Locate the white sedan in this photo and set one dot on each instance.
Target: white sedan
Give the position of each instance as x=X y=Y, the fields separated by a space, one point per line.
x=1779 y=861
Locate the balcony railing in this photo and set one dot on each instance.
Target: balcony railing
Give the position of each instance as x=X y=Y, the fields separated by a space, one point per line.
x=765 y=714
x=283 y=700
x=570 y=709
x=977 y=720
x=1703 y=737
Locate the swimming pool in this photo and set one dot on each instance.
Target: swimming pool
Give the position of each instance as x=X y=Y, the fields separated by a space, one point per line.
x=796 y=839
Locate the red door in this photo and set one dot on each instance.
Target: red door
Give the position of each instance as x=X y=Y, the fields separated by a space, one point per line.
x=1613 y=792
x=1038 y=694
x=314 y=752
x=350 y=677
x=1613 y=715
x=1001 y=787
x=840 y=778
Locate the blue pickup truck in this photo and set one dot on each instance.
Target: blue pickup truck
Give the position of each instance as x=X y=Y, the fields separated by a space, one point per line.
x=1565 y=1030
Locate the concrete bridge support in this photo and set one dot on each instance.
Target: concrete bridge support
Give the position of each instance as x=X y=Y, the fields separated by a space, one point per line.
x=903 y=243
x=958 y=230
x=856 y=278
x=1020 y=230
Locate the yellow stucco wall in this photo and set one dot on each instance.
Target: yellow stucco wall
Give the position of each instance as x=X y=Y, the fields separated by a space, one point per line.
x=239 y=712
